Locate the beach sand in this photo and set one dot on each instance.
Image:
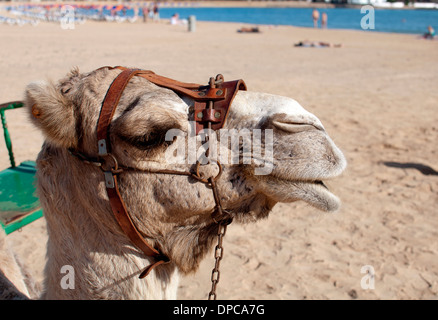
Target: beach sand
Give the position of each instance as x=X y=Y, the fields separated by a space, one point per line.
x=377 y=98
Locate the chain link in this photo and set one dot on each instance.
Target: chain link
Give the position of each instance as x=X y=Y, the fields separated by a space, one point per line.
x=218 y=254
x=222 y=224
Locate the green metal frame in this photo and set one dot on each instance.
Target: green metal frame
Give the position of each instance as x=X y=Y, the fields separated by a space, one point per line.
x=3 y=108
x=18 y=204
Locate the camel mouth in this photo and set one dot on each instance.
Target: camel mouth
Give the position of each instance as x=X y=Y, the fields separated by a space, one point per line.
x=321 y=183
x=317 y=194
x=314 y=192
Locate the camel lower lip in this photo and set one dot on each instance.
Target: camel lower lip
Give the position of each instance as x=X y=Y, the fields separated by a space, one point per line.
x=314 y=192
x=321 y=198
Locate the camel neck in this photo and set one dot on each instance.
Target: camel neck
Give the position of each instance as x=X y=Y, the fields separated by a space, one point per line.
x=95 y=263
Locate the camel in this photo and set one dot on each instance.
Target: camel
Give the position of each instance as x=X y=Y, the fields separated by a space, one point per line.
x=172 y=212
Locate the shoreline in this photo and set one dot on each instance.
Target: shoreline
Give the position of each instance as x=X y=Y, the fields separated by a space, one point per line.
x=226 y=4
x=167 y=20
x=234 y=4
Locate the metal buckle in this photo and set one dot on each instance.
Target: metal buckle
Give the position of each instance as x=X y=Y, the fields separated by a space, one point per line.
x=109 y=180
x=110 y=171
x=102 y=147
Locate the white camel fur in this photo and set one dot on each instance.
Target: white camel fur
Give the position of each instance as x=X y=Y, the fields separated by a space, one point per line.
x=172 y=212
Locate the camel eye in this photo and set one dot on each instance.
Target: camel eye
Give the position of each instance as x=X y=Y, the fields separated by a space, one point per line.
x=144 y=132
x=148 y=141
x=65 y=91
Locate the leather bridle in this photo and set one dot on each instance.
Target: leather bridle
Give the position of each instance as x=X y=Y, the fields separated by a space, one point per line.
x=211 y=108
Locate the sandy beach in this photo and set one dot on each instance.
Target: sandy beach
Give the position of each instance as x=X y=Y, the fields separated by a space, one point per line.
x=377 y=98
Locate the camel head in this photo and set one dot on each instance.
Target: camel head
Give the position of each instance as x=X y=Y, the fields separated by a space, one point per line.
x=291 y=155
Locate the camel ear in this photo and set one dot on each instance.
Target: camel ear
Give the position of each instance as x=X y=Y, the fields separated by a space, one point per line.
x=52 y=112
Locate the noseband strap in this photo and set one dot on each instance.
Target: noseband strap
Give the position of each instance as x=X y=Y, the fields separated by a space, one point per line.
x=211 y=106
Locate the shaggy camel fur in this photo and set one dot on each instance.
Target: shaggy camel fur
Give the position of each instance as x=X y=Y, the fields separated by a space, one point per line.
x=15 y=282
x=172 y=212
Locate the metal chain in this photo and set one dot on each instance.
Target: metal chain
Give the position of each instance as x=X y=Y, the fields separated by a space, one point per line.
x=218 y=254
x=222 y=224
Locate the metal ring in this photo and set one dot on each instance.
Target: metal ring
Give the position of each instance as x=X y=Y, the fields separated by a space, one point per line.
x=225 y=219
x=115 y=168
x=220 y=171
x=198 y=175
x=219 y=79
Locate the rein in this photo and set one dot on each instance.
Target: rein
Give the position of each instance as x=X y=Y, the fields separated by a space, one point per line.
x=211 y=108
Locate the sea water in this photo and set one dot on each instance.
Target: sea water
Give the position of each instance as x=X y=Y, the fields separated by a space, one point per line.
x=385 y=20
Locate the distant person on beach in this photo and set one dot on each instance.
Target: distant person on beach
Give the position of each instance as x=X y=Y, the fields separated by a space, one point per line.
x=145 y=11
x=317 y=44
x=430 y=34
x=315 y=16
x=324 y=19
x=151 y=10
x=175 y=20
x=249 y=30
x=136 y=11
x=156 y=13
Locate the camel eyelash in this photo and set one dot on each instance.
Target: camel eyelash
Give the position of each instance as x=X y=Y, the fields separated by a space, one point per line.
x=148 y=141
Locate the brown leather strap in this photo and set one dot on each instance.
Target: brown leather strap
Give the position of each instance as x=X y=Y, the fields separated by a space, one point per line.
x=125 y=222
x=222 y=95
x=191 y=90
x=109 y=106
x=118 y=206
x=219 y=113
x=149 y=268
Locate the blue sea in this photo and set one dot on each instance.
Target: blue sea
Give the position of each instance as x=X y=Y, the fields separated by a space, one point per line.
x=386 y=20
